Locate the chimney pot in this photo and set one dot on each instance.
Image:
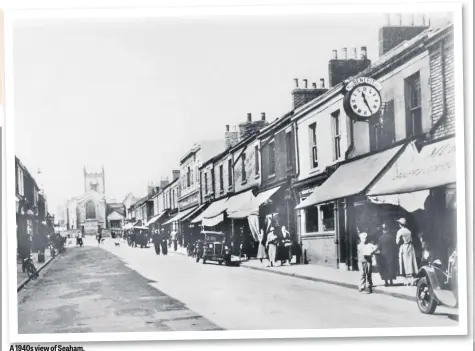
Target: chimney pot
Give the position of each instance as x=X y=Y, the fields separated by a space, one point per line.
x=314 y=85
x=305 y=83
x=227 y=127
x=322 y=83
x=355 y=55
x=363 y=52
x=345 y=53
x=296 y=80
x=263 y=116
x=335 y=54
x=249 y=117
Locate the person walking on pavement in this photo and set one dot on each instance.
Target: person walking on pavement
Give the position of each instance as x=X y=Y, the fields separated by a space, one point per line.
x=163 y=237
x=272 y=246
x=261 y=249
x=174 y=240
x=407 y=254
x=99 y=238
x=365 y=262
x=156 y=241
x=287 y=244
x=387 y=257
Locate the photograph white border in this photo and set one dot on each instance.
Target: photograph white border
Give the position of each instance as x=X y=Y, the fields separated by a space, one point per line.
x=9 y=176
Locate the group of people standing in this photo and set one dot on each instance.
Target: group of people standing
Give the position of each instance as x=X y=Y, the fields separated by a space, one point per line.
x=160 y=241
x=395 y=254
x=275 y=246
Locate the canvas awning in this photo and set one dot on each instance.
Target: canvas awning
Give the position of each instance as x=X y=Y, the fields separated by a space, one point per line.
x=140 y=227
x=215 y=209
x=351 y=178
x=115 y=216
x=238 y=201
x=434 y=166
x=211 y=222
x=180 y=215
x=251 y=207
x=155 y=218
x=193 y=213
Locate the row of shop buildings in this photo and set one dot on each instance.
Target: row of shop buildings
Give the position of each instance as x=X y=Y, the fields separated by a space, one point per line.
x=33 y=222
x=323 y=175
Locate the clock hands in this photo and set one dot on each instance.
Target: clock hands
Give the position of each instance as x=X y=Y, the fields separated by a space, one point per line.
x=366 y=102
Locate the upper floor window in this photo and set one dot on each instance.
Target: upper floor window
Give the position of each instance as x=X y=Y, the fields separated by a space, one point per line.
x=206 y=183
x=230 y=172
x=312 y=130
x=188 y=177
x=381 y=130
x=289 y=150
x=90 y=210
x=256 y=159
x=336 y=131
x=272 y=157
x=221 y=178
x=243 y=166
x=413 y=105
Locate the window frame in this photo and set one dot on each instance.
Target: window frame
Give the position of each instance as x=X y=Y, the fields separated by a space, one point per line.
x=313 y=143
x=221 y=178
x=412 y=86
x=256 y=160
x=206 y=183
x=243 y=167
x=271 y=156
x=336 y=135
x=289 y=150
x=230 y=172
x=320 y=220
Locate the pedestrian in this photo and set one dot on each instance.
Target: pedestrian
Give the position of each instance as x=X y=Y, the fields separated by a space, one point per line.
x=287 y=243
x=407 y=254
x=387 y=257
x=272 y=246
x=365 y=262
x=174 y=240
x=261 y=249
x=156 y=241
x=282 y=253
x=164 y=240
x=99 y=238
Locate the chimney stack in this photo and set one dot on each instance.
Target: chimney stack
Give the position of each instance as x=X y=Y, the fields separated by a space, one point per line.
x=335 y=54
x=249 y=117
x=391 y=36
x=314 y=85
x=176 y=174
x=364 y=53
x=355 y=55
x=296 y=80
x=227 y=127
x=230 y=138
x=263 y=116
x=305 y=83
x=345 y=53
x=322 y=83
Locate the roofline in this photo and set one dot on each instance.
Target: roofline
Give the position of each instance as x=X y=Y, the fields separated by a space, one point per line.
x=264 y=131
x=192 y=150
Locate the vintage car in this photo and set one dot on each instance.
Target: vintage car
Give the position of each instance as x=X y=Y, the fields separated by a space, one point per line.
x=211 y=246
x=142 y=236
x=436 y=286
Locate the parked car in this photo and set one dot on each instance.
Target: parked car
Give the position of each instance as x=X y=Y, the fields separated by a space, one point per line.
x=142 y=236
x=212 y=247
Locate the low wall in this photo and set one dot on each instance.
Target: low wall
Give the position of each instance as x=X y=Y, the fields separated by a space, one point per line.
x=320 y=249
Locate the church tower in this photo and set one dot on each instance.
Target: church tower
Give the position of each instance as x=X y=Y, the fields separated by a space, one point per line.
x=94 y=181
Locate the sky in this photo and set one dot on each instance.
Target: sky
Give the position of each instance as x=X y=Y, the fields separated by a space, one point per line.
x=133 y=96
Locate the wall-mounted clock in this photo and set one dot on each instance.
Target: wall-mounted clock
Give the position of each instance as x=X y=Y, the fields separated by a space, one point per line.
x=362 y=100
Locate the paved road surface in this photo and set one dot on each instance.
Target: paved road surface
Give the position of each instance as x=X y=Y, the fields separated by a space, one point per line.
x=91 y=290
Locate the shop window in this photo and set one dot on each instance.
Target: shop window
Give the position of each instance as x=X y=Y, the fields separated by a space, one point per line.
x=336 y=131
x=311 y=219
x=271 y=158
x=230 y=172
x=256 y=159
x=327 y=217
x=188 y=177
x=288 y=150
x=413 y=105
x=243 y=167
x=312 y=130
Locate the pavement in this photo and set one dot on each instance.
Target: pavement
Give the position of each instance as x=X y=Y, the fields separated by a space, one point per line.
x=89 y=289
x=22 y=278
x=235 y=298
x=337 y=276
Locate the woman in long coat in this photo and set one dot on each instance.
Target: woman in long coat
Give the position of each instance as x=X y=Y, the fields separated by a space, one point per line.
x=387 y=257
x=272 y=246
x=407 y=254
x=261 y=249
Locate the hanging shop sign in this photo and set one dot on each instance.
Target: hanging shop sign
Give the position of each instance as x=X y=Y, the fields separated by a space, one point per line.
x=362 y=98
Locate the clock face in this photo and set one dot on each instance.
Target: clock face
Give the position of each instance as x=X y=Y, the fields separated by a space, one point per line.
x=365 y=100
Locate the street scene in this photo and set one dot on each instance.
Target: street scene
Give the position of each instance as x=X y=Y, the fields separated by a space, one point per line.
x=149 y=199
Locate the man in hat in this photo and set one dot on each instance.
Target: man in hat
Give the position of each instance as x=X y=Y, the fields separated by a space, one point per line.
x=365 y=262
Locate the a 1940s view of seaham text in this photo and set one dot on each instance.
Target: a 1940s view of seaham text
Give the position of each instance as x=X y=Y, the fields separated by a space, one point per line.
x=154 y=194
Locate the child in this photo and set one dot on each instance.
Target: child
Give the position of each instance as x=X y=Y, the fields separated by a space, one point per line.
x=365 y=262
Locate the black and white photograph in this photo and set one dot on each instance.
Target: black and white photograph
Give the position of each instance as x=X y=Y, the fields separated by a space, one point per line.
x=249 y=173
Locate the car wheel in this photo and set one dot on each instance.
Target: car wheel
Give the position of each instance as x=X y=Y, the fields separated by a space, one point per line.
x=425 y=298
x=204 y=261
x=220 y=262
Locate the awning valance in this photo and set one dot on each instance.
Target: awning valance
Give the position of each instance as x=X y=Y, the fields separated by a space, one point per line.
x=193 y=213
x=180 y=215
x=434 y=166
x=251 y=207
x=238 y=201
x=155 y=218
x=211 y=222
x=351 y=178
x=215 y=209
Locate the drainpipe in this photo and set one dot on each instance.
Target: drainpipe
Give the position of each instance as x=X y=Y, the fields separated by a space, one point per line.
x=444 y=94
x=337 y=233
x=297 y=174
x=352 y=142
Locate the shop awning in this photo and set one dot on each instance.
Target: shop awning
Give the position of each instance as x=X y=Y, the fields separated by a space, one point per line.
x=140 y=227
x=193 y=213
x=351 y=178
x=215 y=209
x=434 y=166
x=155 y=218
x=211 y=222
x=251 y=207
x=180 y=215
x=238 y=201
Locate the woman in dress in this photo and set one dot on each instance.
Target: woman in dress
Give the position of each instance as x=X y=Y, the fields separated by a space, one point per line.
x=387 y=257
x=272 y=246
x=407 y=254
x=261 y=249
